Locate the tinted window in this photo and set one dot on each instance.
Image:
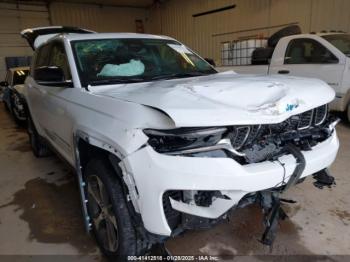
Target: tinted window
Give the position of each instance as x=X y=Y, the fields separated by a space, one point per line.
x=58 y=58
x=308 y=51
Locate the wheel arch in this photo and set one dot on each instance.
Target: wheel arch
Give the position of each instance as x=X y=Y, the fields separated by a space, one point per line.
x=87 y=147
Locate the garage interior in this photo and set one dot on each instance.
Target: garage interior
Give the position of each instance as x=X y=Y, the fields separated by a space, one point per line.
x=40 y=211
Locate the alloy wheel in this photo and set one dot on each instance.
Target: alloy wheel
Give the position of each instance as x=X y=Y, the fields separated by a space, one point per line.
x=101 y=214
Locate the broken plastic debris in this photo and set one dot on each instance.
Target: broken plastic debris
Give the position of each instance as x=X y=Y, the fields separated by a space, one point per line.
x=133 y=68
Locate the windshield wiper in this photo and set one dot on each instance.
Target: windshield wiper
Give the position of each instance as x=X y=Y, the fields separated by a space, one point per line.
x=117 y=81
x=178 y=75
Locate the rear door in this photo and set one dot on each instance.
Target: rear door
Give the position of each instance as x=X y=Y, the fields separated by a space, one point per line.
x=309 y=57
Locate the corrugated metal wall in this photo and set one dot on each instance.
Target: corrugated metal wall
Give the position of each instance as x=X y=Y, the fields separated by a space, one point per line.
x=95 y=17
x=14 y=18
x=205 y=33
x=174 y=17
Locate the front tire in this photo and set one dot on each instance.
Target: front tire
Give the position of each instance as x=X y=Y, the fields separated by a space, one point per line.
x=109 y=215
x=39 y=148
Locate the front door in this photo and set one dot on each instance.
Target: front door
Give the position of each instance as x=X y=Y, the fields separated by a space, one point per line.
x=51 y=109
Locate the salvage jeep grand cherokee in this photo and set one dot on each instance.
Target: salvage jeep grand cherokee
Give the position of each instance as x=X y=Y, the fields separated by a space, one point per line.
x=161 y=142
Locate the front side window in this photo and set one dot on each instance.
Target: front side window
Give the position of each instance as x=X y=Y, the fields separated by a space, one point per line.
x=106 y=61
x=340 y=41
x=19 y=76
x=58 y=58
x=308 y=51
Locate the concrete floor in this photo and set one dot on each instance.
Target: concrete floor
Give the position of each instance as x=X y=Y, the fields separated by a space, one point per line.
x=40 y=211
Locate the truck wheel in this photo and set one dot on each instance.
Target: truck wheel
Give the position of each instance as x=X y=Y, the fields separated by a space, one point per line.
x=39 y=148
x=107 y=208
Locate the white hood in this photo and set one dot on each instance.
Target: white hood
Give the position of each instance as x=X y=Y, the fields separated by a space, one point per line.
x=225 y=98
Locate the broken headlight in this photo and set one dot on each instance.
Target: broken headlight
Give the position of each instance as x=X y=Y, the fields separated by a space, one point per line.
x=182 y=140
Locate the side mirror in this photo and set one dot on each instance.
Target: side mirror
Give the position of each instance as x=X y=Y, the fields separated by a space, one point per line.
x=51 y=76
x=4 y=84
x=210 y=61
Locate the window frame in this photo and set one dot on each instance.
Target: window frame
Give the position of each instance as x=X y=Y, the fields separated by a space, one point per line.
x=76 y=58
x=48 y=62
x=59 y=42
x=37 y=55
x=308 y=63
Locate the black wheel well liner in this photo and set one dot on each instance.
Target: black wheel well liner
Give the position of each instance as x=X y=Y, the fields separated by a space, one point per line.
x=87 y=151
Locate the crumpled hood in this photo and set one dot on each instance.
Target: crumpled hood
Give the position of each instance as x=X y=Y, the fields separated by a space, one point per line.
x=225 y=98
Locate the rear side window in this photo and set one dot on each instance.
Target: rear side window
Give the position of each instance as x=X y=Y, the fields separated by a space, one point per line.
x=308 y=51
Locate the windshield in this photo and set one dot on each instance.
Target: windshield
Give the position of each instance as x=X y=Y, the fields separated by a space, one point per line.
x=340 y=41
x=20 y=76
x=105 y=61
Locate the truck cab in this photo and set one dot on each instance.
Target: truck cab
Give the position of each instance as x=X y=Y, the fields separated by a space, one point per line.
x=322 y=56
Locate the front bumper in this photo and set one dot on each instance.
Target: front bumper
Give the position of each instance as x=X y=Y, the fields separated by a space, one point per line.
x=156 y=173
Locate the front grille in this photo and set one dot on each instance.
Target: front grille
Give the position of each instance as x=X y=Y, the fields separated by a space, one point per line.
x=254 y=133
x=245 y=135
x=239 y=136
x=305 y=119
x=320 y=114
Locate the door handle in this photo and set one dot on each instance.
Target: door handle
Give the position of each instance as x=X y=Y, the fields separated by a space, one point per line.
x=283 y=72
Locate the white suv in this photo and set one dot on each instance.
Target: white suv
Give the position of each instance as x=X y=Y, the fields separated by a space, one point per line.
x=161 y=142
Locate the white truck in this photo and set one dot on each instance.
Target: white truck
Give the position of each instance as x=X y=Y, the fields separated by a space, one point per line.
x=161 y=142
x=323 y=55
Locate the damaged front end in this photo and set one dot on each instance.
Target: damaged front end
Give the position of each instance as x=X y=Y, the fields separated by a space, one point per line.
x=249 y=144
x=246 y=144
